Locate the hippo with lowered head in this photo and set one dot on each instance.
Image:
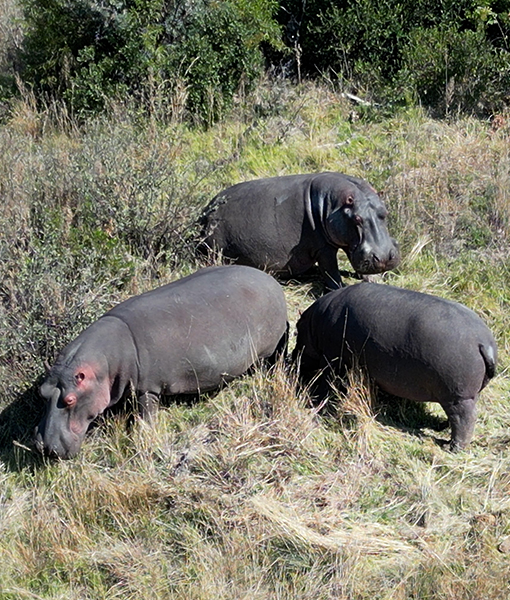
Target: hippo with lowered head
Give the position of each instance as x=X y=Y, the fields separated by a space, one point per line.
x=185 y=337
x=413 y=345
x=287 y=224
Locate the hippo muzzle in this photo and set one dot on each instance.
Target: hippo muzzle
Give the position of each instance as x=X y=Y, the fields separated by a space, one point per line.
x=63 y=446
x=368 y=258
x=53 y=436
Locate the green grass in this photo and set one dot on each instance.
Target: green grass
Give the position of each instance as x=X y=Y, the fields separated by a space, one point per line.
x=248 y=493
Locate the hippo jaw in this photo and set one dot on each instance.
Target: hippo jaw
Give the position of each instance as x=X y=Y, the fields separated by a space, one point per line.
x=65 y=445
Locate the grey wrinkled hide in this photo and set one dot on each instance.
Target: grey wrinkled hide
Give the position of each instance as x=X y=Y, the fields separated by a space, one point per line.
x=288 y=224
x=185 y=337
x=413 y=345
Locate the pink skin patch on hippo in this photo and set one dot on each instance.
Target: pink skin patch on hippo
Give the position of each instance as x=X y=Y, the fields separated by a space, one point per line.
x=89 y=391
x=78 y=428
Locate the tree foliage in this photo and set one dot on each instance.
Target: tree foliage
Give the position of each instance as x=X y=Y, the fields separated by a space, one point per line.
x=87 y=51
x=194 y=55
x=448 y=54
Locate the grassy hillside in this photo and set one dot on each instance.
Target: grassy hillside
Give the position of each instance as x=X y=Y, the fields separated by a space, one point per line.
x=249 y=493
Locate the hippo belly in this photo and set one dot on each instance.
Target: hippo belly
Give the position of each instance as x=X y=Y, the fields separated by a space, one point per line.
x=250 y=224
x=424 y=380
x=200 y=337
x=208 y=347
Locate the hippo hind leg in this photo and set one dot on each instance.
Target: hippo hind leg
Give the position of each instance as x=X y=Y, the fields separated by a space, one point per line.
x=461 y=416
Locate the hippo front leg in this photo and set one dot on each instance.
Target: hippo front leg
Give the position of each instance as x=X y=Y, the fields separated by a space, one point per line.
x=148 y=406
x=328 y=266
x=462 y=416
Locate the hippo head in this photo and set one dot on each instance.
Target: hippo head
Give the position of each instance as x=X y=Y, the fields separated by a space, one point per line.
x=75 y=395
x=354 y=219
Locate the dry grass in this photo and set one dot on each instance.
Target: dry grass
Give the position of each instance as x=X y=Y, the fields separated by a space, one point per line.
x=250 y=493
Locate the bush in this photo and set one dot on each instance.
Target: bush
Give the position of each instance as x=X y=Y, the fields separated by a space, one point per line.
x=449 y=55
x=87 y=52
x=343 y=36
x=453 y=70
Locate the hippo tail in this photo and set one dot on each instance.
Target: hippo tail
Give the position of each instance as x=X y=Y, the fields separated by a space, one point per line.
x=489 y=358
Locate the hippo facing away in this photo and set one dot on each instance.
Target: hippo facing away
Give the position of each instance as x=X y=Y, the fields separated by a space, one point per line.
x=182 y=338
x=287 y=224
x=413 y=345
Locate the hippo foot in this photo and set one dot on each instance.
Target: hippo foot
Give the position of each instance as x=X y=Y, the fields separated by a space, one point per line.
x=455 y=447
x=461 y=416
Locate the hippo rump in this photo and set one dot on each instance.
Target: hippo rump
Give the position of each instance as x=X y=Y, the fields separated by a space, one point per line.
x=185 y=337
x=288 y=224
x=413 y=345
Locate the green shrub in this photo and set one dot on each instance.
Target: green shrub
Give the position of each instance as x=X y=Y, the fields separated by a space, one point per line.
x=448 y=55
x=202 y=52
x=344 y=36
x=453 y=70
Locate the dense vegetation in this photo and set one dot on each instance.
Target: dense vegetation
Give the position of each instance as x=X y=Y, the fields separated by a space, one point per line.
x=178 y=56
x=448 y=55
x=249 y=493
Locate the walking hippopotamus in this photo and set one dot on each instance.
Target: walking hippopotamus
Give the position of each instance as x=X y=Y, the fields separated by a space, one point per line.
x=413 y=345
x=287 y=224
x=185 y=337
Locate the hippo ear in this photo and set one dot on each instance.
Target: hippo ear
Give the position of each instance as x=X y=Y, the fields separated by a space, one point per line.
x=79 y=377
x=349 y=201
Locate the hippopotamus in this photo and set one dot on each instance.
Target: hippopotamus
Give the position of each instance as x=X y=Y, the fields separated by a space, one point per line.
x=185 y=337
x=412 y=345
x=288 y=224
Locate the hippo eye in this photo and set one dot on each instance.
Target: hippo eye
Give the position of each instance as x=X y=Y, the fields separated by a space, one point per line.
x=70 y=400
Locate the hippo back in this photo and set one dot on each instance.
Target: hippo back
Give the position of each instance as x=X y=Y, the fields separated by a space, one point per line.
x=210 y=326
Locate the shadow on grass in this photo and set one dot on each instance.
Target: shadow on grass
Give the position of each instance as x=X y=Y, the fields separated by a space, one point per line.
x=312 y=278
x=406 y=415
x=409 y=416
x=17 y=423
